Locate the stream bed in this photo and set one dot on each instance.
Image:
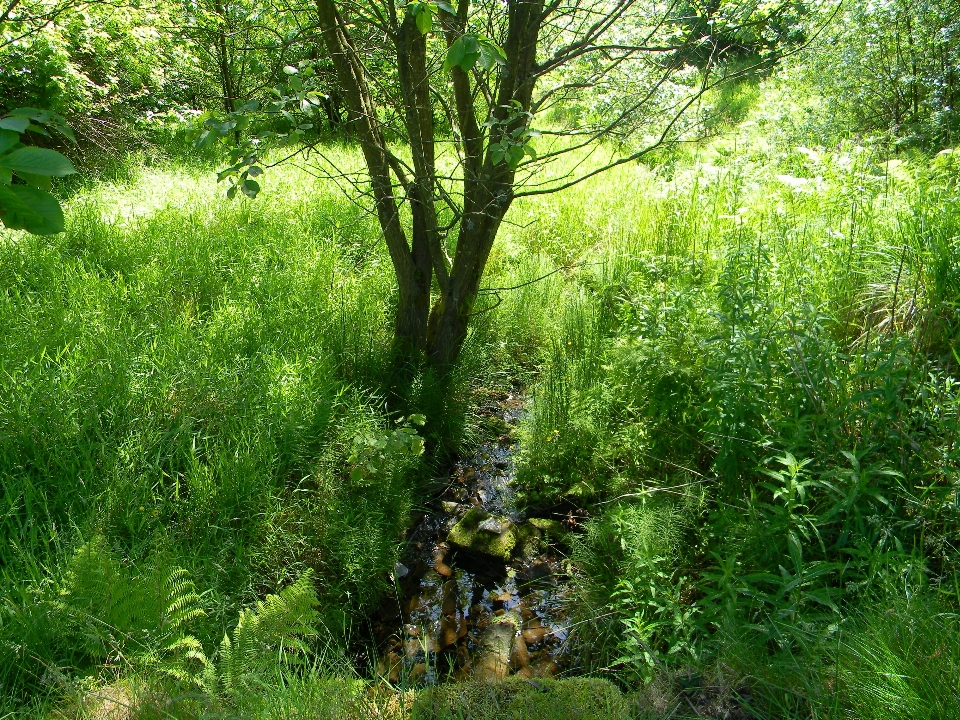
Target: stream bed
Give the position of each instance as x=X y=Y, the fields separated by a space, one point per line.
x=481 y=587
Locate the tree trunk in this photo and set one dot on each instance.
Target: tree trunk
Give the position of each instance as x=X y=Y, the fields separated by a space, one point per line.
x=412 y=265
x=450 y=316
x=413 y=304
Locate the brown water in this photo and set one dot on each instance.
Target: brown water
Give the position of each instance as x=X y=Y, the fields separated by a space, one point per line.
x=460 y=614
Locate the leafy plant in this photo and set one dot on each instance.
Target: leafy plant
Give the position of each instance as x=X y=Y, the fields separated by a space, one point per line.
x=374 y=455
x=28 y=204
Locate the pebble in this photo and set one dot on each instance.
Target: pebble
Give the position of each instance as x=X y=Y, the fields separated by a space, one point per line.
x=519 y=655
x=534 y=635
x=448 y=633
x=417 y=671
x=546 y=667
x=389 y=666
x=449 y=604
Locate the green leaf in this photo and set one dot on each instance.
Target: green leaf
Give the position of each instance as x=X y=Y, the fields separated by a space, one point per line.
x=514 y=156
x=424 y=17
x=295 y=83
x=529 y=150
x=38 y=161
x=231 y=192
x=30 y=209
x=464 y=52
x=491 y=54
x=471 y=52
x=6 y=176
x=39 y=181
x=446 y=7
x=17 y=124
x=250 y=188
x=454 y=55
x=255 y=170
x=290 y=70
x=8 y=138
x=40 y=116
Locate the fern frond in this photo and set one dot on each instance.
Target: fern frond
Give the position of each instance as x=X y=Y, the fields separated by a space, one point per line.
x=270 y=638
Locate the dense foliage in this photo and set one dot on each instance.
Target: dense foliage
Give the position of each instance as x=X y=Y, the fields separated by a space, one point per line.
x=891 y=67
x=741 y=358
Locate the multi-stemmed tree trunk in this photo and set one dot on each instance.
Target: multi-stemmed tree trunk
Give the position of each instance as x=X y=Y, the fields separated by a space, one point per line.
x=437 y=326
x=478 y=65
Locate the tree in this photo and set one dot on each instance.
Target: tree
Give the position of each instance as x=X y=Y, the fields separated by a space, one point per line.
x=488 y=68
x=894 y=66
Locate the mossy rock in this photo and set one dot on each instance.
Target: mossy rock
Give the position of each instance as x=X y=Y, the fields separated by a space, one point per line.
x=468 y=535
x=519 y=699
x=552 y=528
x=528 y=539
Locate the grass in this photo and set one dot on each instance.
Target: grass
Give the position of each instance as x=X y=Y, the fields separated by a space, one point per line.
x=185 y=375
x=743 y=384
x=746 y=376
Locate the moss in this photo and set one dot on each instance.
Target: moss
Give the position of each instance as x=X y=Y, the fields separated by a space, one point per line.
x=518 y=699
x=552 y=528
x=466 y=534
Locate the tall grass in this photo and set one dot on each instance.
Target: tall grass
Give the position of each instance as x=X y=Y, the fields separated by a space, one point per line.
x=762 y=337
x=742 y=363
x=185 y=375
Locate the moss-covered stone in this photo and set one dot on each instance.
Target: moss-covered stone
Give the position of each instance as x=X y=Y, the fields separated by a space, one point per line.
x=467 y=534
x=519 y=699
x=553 y=528
x=528 y=539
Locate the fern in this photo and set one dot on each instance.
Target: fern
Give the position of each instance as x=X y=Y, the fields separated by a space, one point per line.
x=268 y=640
x=143 y=618
x=96 y=595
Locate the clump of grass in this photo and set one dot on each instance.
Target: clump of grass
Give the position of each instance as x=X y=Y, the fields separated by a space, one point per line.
x=188 y=376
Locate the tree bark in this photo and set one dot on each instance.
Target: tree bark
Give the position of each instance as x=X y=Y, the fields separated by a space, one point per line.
x=488 y=187
x=413 y=268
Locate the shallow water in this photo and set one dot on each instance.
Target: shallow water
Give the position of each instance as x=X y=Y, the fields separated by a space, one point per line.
x=459 y=614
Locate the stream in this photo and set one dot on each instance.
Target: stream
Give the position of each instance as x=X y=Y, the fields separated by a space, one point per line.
x=480 y=588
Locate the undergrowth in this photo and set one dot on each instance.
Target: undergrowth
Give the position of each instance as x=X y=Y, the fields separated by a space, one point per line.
x=751 y=384
x=742 y=363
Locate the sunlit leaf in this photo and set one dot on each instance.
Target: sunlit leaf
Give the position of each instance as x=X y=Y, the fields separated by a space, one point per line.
x=38 y=161
x=425 y=19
